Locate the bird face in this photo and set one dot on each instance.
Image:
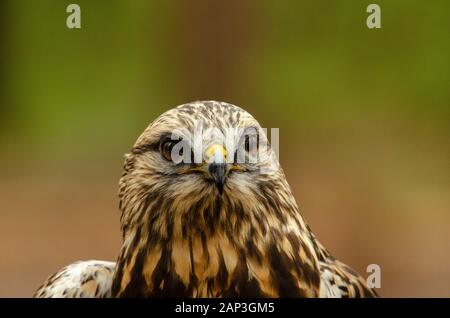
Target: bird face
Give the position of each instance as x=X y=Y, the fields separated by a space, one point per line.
x=203 y=147
x=204 y=153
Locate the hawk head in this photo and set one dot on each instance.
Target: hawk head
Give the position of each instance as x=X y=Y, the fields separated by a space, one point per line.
x=205 y=212
x=193 y=160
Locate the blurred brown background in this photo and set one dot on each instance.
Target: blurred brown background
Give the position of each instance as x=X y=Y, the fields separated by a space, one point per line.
x=363 y=117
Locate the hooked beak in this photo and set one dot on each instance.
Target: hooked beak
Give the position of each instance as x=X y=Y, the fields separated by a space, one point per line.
x=218 y=172
x=217 y=167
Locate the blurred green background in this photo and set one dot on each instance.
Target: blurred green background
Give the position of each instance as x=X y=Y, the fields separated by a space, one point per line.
x=363 y=117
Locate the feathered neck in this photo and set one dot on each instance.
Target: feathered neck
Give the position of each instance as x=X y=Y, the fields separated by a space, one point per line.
x=218 y=247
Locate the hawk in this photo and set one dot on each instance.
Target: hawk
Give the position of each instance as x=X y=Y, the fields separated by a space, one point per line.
x=213 y=224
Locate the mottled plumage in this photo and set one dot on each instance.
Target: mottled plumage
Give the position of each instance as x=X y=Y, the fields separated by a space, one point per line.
x=214 y=229
x=88 y=279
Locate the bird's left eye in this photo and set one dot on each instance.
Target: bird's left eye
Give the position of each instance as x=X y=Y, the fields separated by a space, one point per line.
x=247 y=143
x=247 y=149
x=251 y=143
x=166 y=149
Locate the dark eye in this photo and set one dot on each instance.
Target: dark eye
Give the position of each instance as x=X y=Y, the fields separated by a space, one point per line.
x=251 y=143
x=247 y=143
x=247 y=148
x=166 y=148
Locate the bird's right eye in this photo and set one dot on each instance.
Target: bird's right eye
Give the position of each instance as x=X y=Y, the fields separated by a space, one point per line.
x=166 y=148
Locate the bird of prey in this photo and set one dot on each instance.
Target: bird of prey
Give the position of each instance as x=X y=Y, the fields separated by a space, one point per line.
x=214 y=224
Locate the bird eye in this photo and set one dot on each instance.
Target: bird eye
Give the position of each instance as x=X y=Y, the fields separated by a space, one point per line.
x=247 y=149
x=251 y=143
x=166 y=149
x=247 y=143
